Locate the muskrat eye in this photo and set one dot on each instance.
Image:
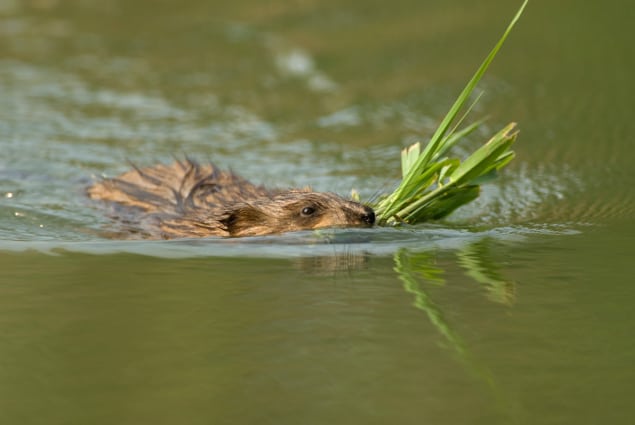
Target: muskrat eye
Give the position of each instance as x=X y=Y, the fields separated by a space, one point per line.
x=308 y=211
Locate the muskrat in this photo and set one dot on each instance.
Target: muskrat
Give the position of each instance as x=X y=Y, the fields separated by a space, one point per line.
x=187 y=199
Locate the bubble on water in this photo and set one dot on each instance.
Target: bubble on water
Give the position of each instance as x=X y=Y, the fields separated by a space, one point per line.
x=298 y=63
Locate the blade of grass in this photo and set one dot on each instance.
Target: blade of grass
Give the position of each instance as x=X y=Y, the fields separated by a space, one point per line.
x=456 y=137
x=409 y=157
x=408 y=197
x=441 y=206
x=471 y=85
x=477 y=163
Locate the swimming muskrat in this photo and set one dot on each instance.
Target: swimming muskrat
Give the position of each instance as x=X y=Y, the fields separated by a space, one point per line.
x=186 y=199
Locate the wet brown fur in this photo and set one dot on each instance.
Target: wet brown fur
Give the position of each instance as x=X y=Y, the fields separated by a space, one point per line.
x=186 y=199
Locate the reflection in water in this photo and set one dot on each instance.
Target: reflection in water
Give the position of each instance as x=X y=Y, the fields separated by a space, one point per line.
x=475 y=260
x=332 y=265
x=416 y=268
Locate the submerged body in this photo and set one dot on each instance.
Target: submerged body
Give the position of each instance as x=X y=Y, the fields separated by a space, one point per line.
x=186 y=199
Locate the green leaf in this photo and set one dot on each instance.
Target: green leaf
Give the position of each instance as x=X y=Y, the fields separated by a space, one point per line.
x=455 y=137
x=409 y=157
x=480 y=161
x=444 y=205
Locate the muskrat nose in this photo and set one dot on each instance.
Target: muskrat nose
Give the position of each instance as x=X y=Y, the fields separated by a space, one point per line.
x=369 y=216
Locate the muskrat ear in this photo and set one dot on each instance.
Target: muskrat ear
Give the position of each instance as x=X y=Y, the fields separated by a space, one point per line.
x=243 y=220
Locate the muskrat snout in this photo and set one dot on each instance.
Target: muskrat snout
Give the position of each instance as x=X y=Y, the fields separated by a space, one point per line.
x=368 y=216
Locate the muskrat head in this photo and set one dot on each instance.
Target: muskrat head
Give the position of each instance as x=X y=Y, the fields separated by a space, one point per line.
x=295 y=210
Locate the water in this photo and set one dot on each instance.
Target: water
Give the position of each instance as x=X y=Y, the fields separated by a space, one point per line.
x=514 y=310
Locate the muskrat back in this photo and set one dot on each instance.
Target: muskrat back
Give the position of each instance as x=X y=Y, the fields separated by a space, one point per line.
x=187 y=199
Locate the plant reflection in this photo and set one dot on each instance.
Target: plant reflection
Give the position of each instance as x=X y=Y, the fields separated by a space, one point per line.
x=416 y=268
x=476 y=261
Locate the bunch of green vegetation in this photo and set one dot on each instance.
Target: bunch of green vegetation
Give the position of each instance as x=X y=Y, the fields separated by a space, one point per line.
x=433 y=185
